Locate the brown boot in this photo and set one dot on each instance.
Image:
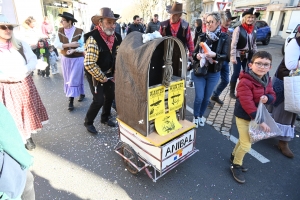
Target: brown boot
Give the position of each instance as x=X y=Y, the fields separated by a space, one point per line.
x=284 y=147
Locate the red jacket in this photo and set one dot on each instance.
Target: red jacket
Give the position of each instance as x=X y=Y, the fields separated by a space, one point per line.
x=249 y=92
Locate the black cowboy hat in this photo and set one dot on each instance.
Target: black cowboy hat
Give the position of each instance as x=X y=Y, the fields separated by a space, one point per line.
x=176 y=8
x=105 y=13
x=251 y=11
x=67 y=15
x=229 y=16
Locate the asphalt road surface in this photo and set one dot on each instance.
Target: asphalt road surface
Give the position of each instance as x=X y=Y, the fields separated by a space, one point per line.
x=70 y=163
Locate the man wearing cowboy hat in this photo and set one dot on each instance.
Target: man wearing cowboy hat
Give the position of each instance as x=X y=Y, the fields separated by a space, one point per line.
x=177 y=27
x=225 y=68
x=101 y=46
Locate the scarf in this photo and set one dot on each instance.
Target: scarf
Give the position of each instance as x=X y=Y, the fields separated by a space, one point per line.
x=223 y=29
x=264 y=80
x=214 y=36
x=175 y=27
x=5 y=46
x=248 y=27
x=108 y=39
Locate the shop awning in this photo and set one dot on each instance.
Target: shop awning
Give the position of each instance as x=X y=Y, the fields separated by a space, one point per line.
x=244 y=9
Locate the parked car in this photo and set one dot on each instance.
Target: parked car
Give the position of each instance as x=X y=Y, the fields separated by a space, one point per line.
x=292 y=35
x=263 y=31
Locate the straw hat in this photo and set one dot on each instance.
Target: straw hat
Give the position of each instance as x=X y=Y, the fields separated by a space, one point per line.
x=104 y=13
x=4 y=21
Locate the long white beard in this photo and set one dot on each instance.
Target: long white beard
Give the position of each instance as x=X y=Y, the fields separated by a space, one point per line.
x=107 y=31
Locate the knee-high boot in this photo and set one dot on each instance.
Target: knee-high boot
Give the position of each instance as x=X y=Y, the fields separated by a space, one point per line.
x=284 y=148
x=232 y=90
x=71 y=106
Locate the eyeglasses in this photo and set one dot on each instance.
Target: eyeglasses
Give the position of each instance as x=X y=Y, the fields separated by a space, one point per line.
x=262 y=65
x=4 y=27
x=209 y=22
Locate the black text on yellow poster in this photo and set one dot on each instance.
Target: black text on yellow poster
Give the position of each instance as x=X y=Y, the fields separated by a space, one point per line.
x=176 y=95
x=167 y=123
x=156 y=102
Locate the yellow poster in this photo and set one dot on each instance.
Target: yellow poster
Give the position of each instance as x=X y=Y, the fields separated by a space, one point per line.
x=176 y=95
x=156 y=102
x=167 y=123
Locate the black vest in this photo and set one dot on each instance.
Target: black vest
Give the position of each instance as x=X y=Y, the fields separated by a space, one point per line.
x=106 y=59
x=182 y=31
x=243 y=38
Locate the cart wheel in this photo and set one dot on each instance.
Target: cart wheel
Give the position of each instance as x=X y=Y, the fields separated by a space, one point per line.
x=129 y=153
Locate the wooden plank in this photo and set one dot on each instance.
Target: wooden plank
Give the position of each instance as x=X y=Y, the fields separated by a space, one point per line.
x=158 y=140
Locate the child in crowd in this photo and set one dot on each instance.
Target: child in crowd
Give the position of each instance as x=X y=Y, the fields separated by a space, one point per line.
x=52 y=60
x=255 y=85
x=42 y=52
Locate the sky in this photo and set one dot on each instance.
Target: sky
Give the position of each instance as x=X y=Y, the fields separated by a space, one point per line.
x=116 y=5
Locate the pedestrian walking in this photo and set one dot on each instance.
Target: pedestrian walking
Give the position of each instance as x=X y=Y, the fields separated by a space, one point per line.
x=53 y=58
x=177 y=27
x=198 y=32
x=254 y=86
x=153 y=25
x=225 y=68
x=70 y=41
x=211 y=60
x=285 y=120
x=17 y=89
x=243 y=45
x=135 y=26
x=42 y=52
x=101 y=50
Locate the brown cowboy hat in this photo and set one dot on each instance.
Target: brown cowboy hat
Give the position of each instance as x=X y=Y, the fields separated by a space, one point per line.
x=104 y=13
x=176 y=8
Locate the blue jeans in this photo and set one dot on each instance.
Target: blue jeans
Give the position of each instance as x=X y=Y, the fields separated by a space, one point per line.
x=204 y=86
x=224 y=79
x=237 y=69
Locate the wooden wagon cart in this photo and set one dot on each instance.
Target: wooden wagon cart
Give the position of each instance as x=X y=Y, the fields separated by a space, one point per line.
x=150 y=96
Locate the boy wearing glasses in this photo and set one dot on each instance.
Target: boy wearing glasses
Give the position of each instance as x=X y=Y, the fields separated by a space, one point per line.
x=255 y=85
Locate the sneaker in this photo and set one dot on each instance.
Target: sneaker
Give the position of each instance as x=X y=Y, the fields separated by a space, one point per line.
x=47 y=76
x=202 y=121
x=237 y=173
x=196 y=121
x=30 y=144
x=54 y=73
x=244 y=168
x=191 y=84
x=217 y=100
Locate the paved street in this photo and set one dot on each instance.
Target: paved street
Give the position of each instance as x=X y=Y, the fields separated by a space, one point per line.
x=72 y=164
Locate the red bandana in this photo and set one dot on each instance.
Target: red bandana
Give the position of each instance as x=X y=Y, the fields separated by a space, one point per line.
x=5 y=46
x=248 y=27
x=223 y=29
x=108 y=39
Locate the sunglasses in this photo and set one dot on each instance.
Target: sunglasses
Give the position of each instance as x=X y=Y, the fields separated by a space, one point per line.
x=4 y=27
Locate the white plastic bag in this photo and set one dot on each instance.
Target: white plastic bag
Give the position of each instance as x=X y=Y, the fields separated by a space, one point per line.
x=292 y=94
x=41 y=64
x=255 y=131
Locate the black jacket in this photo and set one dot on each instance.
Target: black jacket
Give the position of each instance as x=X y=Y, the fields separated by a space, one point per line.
x=153 y=27
x=134 y=27
x=221 y=50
